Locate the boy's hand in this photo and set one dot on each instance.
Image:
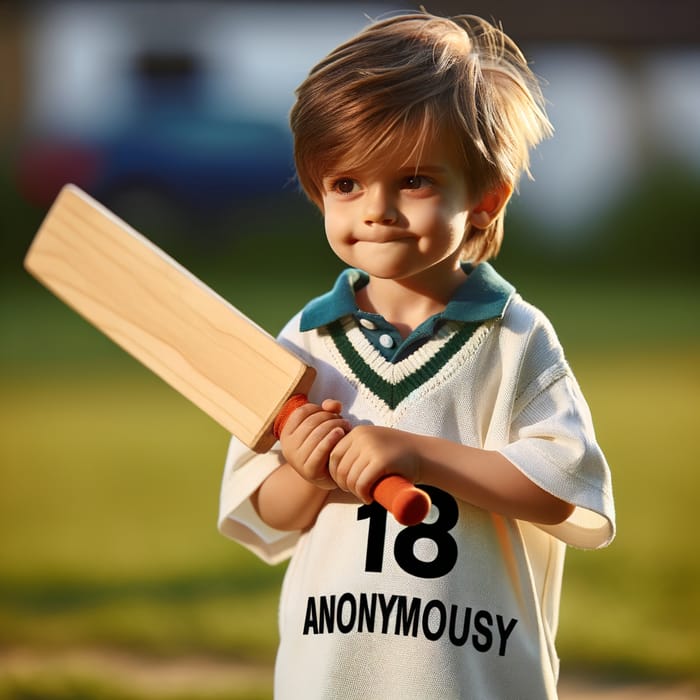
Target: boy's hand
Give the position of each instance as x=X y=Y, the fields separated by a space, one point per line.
x=308 y=438
x=368 y=453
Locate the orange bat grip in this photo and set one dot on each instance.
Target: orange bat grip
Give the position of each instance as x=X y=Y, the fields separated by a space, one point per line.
x=408 y=504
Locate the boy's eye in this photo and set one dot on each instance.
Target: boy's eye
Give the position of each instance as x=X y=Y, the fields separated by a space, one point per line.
x=415 y=182
x=345 y=185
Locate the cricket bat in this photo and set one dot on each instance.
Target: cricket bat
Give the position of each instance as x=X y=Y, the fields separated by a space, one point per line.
x=182 y=330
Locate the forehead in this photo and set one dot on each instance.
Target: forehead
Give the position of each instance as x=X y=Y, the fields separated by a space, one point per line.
x=402 y=149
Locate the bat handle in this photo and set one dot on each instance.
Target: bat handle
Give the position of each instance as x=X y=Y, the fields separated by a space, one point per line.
x=407 y=503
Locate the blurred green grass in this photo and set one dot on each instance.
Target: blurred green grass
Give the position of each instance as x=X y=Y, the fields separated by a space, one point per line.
x=110 y=479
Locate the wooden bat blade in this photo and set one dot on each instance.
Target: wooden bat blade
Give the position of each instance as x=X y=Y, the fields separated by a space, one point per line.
x=165 y=317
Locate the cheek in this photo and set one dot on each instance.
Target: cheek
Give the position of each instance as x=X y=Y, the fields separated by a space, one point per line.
x=448 y=226
x=449 y=236
x=337 y=233
x=456 y=218
x=333 y=225
x=458 y=224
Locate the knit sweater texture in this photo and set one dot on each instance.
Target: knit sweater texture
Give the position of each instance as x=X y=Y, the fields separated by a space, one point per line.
x=466 y=604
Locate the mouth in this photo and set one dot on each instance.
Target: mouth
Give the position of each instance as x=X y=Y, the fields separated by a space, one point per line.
x=384 y=237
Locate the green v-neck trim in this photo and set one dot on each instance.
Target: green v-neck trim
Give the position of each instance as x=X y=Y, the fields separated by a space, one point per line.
x=393 y=383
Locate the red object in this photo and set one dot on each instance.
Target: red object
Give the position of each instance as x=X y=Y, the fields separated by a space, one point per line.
x=408 y=504
x=291 y=405
x=44 y=167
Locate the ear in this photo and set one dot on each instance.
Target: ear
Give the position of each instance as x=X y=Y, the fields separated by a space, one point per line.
x=490 y=205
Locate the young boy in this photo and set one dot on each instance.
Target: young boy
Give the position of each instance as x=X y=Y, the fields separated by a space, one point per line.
x=410 y=139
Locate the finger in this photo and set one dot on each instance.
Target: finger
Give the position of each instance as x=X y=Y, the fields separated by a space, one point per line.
x=326 y=435
x=341 y=463
x=306 y=419
x=312 y=444
x=297 y=417
x=332 y=406
x=336 y=456
x=363 y=485
x=318 y=459
x=358 y=479
x=354 y=466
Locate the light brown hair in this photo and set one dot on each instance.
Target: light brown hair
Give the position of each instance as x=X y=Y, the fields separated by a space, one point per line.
x=411 y=76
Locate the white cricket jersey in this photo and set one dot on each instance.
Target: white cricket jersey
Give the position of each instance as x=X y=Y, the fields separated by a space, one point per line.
x=464 y=605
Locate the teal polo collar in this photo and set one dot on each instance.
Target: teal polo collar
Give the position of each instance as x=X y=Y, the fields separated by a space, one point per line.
x=483 y=295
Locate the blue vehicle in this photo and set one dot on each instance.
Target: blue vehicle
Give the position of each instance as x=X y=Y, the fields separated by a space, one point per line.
x=169 y=159
x=197 y=166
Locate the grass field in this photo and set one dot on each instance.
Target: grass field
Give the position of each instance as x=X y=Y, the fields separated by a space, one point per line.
x=110 y=485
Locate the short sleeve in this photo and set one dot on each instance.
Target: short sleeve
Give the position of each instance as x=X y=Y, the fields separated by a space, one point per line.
x=244 y=472
x=553 y=443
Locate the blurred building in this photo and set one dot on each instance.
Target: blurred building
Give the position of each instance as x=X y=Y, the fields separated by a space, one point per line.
x=186 y=102
x=151 y=105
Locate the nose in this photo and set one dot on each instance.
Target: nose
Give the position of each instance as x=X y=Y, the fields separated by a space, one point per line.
x=380 y=206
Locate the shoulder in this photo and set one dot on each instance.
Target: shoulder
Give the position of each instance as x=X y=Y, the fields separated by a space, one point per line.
x=291 y=329
x=304 y=328
x=306 y=344
x=291 y=334
x=527 y=322
x=528 y=338
x=522 y=315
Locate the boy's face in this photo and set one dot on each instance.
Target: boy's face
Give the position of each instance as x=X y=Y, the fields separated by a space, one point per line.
x=403 y=217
